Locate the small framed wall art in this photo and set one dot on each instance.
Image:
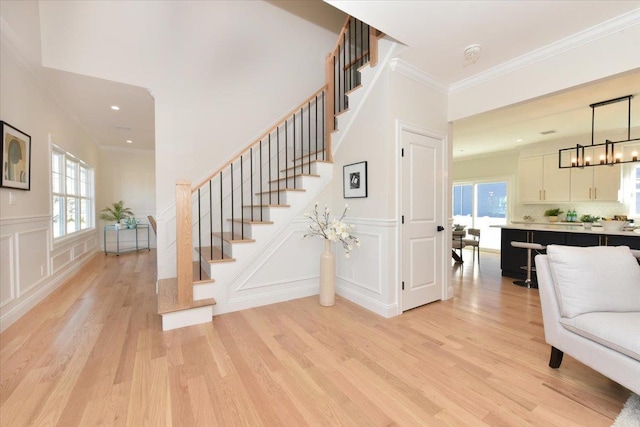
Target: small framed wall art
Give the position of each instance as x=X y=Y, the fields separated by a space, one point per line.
x=16 y=158
x=355 y=180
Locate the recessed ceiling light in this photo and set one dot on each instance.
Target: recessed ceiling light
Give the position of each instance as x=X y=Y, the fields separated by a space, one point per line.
x=519 y=140
x=115 y=107
x=129 y=141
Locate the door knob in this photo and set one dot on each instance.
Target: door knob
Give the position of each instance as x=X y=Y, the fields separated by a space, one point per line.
x=440 y=228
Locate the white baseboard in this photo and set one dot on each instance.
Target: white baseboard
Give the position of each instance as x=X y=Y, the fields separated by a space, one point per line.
x=10 y=317
x=384 y=310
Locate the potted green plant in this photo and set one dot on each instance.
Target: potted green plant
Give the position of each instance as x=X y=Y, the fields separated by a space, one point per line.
x=588 y=220
x=552 y=214
x=117 y=212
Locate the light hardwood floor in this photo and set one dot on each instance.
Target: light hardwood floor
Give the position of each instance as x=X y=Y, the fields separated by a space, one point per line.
x=93 y=353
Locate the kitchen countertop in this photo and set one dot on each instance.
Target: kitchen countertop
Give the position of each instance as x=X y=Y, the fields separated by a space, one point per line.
x=565 y=227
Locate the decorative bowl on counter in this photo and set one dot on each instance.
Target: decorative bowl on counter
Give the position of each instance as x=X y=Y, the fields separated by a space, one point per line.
x=612 y=225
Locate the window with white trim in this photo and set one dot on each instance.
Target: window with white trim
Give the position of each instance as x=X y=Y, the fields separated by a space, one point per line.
x=71 y=192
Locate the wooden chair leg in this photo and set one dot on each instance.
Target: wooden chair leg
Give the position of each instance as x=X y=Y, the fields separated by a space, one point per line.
x=556 y=358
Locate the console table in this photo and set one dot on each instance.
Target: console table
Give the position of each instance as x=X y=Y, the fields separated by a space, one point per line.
x=121 y=229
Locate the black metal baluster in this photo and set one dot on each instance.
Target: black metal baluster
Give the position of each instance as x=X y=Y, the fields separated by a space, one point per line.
x=368 y=43
x=286 y=153
x=316 y=129
x=345 y=105
x=233 y=224
x=221 y=224
x=324 y=143
x=241 y=198
x=199 y=236
x=269 y=161
x=309 y=135
x=278 y=162
x=260 y=189
x=210 y=220
x=294 y=145
x=301 y=141
x=251 y=180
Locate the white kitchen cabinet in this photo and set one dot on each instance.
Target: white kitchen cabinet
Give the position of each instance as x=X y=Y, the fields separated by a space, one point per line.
x=541 y=180
x=597 y=183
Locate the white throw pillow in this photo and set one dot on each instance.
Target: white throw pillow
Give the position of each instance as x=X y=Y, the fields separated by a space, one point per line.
x=596 y=278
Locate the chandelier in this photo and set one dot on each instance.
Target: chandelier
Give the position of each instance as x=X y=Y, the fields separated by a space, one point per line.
x=606 y=153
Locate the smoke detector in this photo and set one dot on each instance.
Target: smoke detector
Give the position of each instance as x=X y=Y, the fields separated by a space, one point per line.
x=471 y=54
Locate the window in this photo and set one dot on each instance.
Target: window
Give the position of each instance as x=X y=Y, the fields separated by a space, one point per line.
x=481 y=205
x=71 y=193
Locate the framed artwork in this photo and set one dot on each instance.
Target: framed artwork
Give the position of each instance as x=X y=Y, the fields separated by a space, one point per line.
x=355 y=180
x=16 y=158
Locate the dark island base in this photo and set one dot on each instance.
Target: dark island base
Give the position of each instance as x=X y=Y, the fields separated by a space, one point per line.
x=512 y=260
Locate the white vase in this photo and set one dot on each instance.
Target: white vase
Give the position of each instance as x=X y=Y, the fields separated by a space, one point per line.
x=327 y=276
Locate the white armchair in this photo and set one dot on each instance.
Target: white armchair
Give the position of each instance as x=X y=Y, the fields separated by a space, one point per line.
x=590 y=301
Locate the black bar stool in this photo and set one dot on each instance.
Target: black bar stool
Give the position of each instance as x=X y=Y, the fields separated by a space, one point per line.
x=529 y=268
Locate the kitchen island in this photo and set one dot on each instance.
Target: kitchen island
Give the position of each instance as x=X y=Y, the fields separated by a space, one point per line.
x=570 y=234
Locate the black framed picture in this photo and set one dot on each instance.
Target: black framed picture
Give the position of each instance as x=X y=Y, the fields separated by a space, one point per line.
x=355 y=180
x=16 y=158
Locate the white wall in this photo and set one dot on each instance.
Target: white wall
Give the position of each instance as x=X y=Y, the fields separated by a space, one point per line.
x=128 y=175
x=370 y=277
x=31 y=264
x=221 y=72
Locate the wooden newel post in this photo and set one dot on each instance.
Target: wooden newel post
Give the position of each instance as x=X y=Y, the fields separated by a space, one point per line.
x=184 y=246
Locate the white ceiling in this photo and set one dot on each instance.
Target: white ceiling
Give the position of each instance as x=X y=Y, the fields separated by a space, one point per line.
x=89 y=101
x=439 y=31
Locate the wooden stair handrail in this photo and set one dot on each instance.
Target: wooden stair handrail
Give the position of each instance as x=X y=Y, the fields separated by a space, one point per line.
x=260 y=138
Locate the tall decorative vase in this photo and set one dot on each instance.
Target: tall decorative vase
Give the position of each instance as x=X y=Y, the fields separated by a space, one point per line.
x=327 y=276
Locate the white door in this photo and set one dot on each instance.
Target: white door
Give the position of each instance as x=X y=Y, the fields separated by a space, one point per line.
x=422 y=198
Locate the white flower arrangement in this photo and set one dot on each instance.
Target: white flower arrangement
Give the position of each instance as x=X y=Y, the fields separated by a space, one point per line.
x=333 y=229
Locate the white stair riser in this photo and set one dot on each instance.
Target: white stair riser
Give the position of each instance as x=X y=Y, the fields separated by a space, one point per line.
x=190 y=317
x=303 y=169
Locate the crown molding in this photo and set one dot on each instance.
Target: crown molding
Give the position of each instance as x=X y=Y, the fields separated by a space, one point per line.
x=125 y=149
x=408 y=70
x=574 y=41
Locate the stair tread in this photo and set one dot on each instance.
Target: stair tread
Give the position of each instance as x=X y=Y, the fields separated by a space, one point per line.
x=205 y=252
x=294 y=176
x=353 y=89
x=273 y=205
x=282 y=189
x=248 y=221
x=228 y=237
x=306 y=164
x=196 y=274
x=304 y=156
x=168 y=298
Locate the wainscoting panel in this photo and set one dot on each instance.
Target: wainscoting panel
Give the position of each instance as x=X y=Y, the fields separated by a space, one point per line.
x=292 y=259
x=369 y=276
x=79 y=249
x=32 y=266
x=60 y=260
x=7 y=280
x=368 y=254
x=33 y=258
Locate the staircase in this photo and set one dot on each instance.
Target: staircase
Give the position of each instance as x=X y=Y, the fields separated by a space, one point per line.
x=227 y=219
